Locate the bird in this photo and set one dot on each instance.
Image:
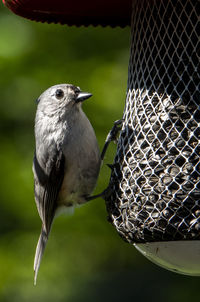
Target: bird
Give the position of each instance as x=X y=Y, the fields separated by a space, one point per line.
x=67 y=159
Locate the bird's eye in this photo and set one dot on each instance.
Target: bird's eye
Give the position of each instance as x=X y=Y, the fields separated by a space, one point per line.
x=59 y=93
x=77 y=91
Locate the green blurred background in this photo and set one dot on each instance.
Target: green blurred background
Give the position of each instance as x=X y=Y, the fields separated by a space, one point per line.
x=85 y=259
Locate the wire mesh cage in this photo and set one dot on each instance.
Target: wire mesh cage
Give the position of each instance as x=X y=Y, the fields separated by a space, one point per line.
x=155 y=181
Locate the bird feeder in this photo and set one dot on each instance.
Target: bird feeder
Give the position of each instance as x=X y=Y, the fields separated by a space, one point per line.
x=154 y=196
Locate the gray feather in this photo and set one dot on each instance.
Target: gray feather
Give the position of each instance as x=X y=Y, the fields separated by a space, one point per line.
x=39 y=252
x=47 y=187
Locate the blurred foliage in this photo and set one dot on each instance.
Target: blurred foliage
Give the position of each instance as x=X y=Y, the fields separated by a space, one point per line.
x=85 y=259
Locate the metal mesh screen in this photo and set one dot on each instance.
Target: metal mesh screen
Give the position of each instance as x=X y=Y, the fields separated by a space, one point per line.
x=155 y=182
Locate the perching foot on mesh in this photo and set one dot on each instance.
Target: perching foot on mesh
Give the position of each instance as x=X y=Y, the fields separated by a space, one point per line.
x=112 y=136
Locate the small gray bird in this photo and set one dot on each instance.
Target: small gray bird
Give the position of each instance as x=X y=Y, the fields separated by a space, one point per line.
x=67 y=158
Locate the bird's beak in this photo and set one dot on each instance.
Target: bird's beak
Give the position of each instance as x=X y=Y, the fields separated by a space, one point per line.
x=82 y=96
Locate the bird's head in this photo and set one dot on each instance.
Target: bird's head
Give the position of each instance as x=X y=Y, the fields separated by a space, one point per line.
x=62 y=98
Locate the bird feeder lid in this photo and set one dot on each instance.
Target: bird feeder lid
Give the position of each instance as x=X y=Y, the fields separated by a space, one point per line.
x=74 y=12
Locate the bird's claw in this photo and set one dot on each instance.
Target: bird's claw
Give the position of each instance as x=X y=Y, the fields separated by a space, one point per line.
x=112 y=135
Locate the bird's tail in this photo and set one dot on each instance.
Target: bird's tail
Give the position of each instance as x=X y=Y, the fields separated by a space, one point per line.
x=39 y=252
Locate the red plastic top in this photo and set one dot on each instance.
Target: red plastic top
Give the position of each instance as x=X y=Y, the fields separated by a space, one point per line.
x=74 y=12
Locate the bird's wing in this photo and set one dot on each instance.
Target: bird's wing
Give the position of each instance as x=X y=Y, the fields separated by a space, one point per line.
x=47 y=183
